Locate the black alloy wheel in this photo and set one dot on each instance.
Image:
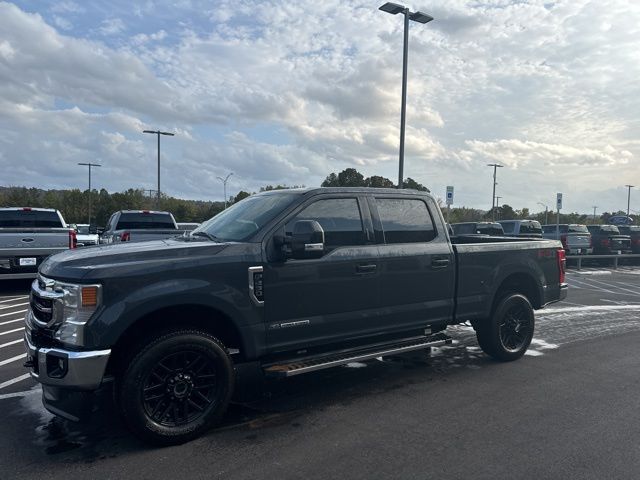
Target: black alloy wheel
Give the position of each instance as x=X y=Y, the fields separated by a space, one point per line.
x=506 y=336
x=176 y=388
x=180 y=388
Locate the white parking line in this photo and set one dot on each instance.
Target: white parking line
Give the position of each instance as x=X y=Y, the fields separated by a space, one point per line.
x=13 y=313
x=14 y=380
x=11 y=331
x=8 y=344
x=12 y=321
x=13 y=359
x=588 y=308
x=7 y=300
x=20 y=394
x=7 y=307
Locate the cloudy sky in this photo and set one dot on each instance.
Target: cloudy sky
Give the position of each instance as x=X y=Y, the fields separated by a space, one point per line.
x=288 y=92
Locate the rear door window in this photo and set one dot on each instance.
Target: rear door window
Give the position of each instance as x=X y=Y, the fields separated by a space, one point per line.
x=508 y=227
x=29 y=219
x=405 y=220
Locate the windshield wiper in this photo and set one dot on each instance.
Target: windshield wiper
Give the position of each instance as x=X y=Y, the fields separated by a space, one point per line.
x=207 y=235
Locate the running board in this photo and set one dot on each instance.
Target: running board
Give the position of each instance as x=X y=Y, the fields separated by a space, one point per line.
x=319 y=363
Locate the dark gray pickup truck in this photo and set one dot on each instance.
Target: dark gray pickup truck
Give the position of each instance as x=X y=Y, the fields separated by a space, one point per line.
x=282 y=283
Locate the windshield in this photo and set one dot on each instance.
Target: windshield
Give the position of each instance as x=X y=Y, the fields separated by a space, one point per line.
x=578 y=229
x=243 y=219
x=82 y=229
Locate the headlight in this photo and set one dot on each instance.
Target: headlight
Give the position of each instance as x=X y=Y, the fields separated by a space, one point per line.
x=73 y=309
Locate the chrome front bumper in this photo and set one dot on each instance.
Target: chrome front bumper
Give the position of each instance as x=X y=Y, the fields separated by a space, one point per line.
x=65 y=368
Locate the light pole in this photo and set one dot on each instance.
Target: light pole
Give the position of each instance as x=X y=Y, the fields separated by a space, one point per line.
x=420 y=17
x=224 y=182
x=546 y=213
x=158 y=133
x=498 y=205
x=594 y=213
x=493 y=196
x=90 y=165
x=629 y=197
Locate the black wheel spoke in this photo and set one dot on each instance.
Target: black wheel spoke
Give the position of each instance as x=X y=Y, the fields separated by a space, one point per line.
x=180 y=388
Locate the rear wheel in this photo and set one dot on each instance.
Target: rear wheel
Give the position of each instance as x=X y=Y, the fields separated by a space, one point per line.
x=177 y=387
x=508 y=333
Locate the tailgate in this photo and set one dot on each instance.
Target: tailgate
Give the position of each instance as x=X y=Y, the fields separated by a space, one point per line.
x=15 y=238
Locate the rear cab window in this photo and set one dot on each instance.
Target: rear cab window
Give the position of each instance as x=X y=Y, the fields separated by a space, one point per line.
x=405 y=220
x=530 y=228
x=142 y=220
x=578 y=229
x=26 y=218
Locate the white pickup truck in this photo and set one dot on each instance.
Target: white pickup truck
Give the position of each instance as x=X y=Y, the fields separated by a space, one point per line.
x=28 y=236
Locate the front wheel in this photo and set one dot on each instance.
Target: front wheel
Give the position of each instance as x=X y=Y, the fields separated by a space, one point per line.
x=177 y=387
x=507 y=335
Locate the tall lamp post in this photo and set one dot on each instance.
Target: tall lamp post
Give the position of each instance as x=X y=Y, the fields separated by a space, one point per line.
x=90 y=165
x=420 y=17
x=498 y=205
x=158 y=133
x=629 y=197
x=594 y=213
x=546 y=213
x=493 y=196
x=224 y=182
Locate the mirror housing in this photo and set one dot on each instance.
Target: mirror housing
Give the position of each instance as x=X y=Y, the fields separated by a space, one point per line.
x=307 y=240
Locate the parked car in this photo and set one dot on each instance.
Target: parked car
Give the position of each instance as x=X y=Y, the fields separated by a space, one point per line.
x=86 y=234
x=521 y=228
x=139 y=226
x=283 y=283
x=634 y=234
x=28 y=236
x=607 y=240
x=478 y=228
x=575 y=238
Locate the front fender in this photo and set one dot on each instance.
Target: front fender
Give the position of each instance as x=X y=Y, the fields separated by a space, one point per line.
x=105 y=329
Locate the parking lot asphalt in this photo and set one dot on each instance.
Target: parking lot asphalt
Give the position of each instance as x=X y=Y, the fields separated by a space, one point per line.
x=565 y=410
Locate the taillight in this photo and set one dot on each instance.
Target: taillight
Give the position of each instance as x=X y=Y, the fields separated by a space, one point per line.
x=73 y=239
x=562 y=264
x=563 y=239
x=605 y=242
x=125 y=236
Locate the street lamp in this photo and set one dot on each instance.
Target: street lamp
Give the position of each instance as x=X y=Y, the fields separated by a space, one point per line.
x=629 y=197
x=546 y=213
x=420 y=17
x=498 y=205
x=158 y=133
x=90 y=165
x=493 y=196
x=594 y=213
x=224 y=182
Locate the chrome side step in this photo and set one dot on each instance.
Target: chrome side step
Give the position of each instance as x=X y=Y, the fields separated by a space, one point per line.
x=328 y=361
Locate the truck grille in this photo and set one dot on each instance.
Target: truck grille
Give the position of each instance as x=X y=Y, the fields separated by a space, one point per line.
x=42 y=308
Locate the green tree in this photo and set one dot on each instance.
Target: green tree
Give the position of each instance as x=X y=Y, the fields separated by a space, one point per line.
x=377 y=181
x=412 y=184
x=241 y=196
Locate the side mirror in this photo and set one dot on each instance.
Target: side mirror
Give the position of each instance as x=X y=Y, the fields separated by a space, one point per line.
x=307 y=240
x=93 y=229
x=100 y=230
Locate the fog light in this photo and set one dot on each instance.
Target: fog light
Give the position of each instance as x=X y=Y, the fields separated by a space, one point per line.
x=57 y=364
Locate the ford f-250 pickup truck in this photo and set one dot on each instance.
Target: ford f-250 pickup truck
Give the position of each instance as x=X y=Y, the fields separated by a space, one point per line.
x=280 y=284
x=28 y=236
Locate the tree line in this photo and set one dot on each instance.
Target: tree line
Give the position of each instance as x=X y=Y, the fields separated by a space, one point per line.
x=74 y=204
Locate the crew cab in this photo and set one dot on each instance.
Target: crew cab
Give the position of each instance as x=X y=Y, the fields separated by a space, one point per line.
x=139 y=226
x=28 y=236
x=280 y=284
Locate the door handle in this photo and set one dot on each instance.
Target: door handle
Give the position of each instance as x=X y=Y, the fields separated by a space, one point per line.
x=439 y=263
x=369 y=268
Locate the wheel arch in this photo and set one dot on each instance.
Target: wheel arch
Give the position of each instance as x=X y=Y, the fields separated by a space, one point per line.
x=183 y=316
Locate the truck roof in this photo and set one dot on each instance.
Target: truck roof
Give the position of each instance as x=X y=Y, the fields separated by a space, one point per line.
x=34 y=209
x=310 y=190
x=145 y=211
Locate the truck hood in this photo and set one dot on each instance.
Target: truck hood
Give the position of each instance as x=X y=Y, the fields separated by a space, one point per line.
x=95 y=263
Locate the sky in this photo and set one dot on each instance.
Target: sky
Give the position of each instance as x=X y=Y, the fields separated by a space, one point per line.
x=288 y=92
